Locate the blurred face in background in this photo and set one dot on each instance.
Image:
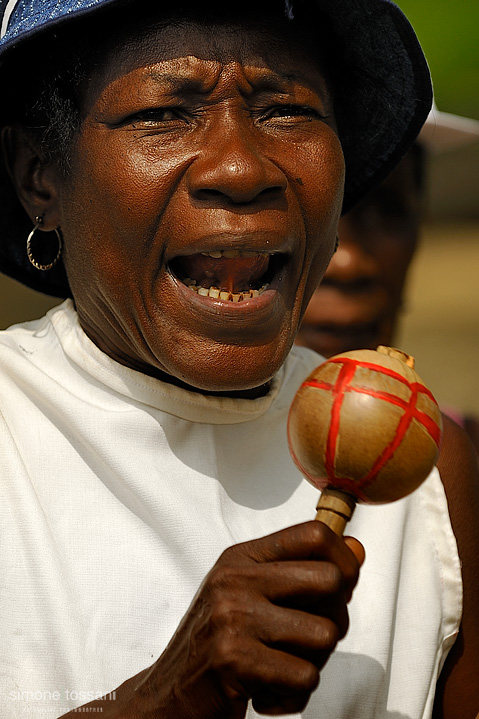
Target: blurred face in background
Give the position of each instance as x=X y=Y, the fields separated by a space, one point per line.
x=359 y=300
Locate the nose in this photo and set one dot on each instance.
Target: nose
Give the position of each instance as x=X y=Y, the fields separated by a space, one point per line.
x=354 y=263
x=233 y=168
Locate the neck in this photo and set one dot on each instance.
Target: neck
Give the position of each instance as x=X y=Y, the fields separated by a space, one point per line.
x=252 y=393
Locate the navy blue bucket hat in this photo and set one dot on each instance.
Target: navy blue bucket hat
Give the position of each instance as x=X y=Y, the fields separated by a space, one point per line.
x=382 y=94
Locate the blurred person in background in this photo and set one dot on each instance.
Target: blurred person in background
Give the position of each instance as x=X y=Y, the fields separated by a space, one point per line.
x=359 y=301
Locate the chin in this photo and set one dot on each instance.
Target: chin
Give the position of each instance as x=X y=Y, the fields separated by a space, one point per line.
x=229 y=383
x=232 y=370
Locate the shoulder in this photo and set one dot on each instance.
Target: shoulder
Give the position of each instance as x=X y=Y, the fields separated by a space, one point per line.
x=471 y=425
x=13 y=337
x=458 y=462
x=469 y=422
x=459 y=468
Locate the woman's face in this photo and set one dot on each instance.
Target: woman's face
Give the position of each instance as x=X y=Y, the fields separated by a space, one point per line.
x=206 y=154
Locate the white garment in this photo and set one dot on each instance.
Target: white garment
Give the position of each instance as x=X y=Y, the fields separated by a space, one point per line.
x=119 y=492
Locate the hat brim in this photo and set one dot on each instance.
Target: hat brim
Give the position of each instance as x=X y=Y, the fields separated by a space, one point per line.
x=382 y=88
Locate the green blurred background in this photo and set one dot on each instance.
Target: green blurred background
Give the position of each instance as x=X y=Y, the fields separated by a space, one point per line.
x=449 y=33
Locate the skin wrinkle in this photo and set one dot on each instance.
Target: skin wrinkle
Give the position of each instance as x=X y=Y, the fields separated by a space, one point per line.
x=211 y=51
x=262 y=85
x=106 y=115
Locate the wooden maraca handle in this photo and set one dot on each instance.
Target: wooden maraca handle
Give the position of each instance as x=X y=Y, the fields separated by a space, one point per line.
x=335 y=508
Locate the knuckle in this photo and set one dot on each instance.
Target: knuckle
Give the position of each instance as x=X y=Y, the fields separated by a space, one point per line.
x=230 y=657
x=327 y=634
x=332 y=635
x=222 y=578
x=319 y=532
x=230 y=554
x=240 y=553
x=308 y=677
x=226 y=654
x=332 y=579
x=226 y=615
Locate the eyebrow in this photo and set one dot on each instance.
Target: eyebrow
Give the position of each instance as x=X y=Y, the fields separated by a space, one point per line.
x=279 y=81
x=179 y=83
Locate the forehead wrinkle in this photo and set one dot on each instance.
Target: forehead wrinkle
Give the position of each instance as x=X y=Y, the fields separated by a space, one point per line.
x=276 y=81
x=250 y=78
x=288 y=83
x=186 y=79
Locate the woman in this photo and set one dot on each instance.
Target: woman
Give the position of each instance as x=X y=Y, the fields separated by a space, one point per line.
x=169 y=166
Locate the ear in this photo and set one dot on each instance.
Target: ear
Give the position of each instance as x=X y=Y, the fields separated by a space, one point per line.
x=33 y=176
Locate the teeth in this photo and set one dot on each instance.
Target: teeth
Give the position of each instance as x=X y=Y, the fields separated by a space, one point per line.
x=215 y=293
x=231 y=254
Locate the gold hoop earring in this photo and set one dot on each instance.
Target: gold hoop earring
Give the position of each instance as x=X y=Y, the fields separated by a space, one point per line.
x=34 y=262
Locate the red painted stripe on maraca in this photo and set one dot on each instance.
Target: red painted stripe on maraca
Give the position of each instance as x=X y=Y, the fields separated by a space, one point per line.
x=346 y=374
x=388 y=451
x=430 y=426
x=424 y=419
x=383 y=370
x=317 y=384
x=370 y=365
x=379 y=394
x=411 y=412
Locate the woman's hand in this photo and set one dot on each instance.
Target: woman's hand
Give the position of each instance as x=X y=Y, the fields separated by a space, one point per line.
x=262 y=626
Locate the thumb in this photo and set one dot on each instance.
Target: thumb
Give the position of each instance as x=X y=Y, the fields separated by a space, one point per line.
x=357 y=549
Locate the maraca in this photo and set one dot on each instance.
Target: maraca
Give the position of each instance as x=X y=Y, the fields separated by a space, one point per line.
x=363 y=427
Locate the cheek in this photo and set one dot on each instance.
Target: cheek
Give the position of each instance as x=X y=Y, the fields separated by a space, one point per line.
x=125 y=181
x=323 y=205
x=321 y=172
x=110 y=208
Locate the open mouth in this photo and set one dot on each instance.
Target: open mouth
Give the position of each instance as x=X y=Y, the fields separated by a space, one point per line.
x=229 y=275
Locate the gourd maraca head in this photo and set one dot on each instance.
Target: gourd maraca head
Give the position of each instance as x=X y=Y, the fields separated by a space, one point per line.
x=364 y=422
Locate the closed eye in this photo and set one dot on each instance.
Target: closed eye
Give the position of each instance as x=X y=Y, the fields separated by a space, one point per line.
x=292 y=110
x=292 y=113
x=156 y=116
